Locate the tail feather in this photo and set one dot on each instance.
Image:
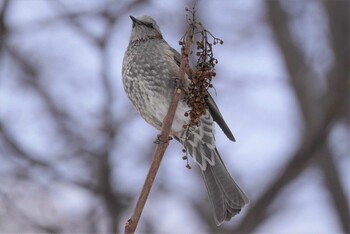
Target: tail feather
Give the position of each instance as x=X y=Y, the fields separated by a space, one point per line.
x=216 y=196
x=226 y=197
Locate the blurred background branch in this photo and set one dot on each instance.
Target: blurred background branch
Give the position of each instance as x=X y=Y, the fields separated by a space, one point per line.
x=318 y=119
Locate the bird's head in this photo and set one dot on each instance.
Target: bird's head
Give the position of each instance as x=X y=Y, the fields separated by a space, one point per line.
x=144 y=28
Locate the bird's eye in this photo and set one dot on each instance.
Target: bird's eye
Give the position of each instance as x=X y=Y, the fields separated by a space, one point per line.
x=149 y=25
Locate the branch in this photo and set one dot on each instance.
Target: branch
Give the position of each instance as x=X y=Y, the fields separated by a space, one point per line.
x=316 y=134
x=338 y=18
x=59 y=115
x=59 y=6
x=335 y=188
x=3 y=27
x=307 y=151
x=132 y=223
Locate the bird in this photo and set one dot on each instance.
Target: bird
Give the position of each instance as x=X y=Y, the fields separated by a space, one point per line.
x=149 y=72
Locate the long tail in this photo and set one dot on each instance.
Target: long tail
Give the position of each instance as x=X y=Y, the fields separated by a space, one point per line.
x=226 y=197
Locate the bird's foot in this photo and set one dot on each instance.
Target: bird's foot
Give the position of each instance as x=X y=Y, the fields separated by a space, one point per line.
x=160 y=141
x=179 y=85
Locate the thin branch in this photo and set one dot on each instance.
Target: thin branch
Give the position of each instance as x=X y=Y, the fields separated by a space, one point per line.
x=11 y=142
x=335 y=188
x=72 y=21
x=18 y=151
x=132 y=223
x=59 y=115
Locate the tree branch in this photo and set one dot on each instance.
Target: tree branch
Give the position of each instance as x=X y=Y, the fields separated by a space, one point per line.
x=316 y=133
x=335 y=188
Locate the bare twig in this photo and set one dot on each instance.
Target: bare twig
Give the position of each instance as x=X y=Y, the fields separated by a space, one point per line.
x=132 y=223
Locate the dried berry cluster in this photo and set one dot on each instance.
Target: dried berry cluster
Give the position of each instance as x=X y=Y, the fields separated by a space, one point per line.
x=201 y=76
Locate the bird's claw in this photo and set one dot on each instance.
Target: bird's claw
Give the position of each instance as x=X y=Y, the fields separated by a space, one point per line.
x=160 y=141
x=178 y=84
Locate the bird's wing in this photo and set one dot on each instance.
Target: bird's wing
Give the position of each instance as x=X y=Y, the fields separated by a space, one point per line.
x=176 y=55
x=213 y=108
x=217 y=117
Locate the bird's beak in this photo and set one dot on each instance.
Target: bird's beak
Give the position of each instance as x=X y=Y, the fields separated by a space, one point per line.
x=136 y=21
